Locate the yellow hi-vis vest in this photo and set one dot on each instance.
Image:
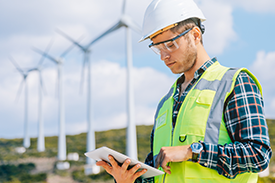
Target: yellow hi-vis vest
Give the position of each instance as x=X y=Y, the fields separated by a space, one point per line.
x=200 y=118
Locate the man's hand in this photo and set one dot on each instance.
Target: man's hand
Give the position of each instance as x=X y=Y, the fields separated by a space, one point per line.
x=120 y=173
x=172 y=154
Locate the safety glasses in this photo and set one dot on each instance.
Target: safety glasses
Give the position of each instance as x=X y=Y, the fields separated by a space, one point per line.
x=168 y=45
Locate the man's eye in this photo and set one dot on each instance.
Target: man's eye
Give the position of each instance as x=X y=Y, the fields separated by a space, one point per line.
x=170 y=45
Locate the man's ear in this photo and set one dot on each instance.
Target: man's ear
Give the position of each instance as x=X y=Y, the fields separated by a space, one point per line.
x=196 y=32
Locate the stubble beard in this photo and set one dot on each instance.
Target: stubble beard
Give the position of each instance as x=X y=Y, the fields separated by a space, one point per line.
x=189 y=57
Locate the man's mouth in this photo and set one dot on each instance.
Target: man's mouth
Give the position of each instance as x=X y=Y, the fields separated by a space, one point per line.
x=170 y=64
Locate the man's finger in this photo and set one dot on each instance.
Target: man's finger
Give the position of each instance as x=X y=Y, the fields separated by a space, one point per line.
x=135 y=168
x=105 y=165
x=139 y=173
x=158 y=160
x=165 y=166
x=113 y=161
x=126 y=164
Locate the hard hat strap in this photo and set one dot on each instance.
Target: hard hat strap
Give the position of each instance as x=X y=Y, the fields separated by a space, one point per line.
x=197 y=21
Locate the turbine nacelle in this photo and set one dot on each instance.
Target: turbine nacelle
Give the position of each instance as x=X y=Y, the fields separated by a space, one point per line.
x=127 y=21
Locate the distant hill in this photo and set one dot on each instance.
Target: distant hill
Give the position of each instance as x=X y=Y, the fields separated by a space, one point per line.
x=114 y=139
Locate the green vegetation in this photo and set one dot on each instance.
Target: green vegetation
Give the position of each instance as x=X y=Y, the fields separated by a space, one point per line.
x=10 y=172
x=81 y=177
x=20 y=173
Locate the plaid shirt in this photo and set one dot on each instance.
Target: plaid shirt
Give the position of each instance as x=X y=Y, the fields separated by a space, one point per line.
x=250 y=149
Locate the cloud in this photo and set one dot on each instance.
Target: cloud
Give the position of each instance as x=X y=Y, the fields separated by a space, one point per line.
x=219 y=31
x=264 y=6
x=262 y=67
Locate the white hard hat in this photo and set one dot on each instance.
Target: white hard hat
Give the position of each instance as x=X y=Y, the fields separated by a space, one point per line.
x=162 y=15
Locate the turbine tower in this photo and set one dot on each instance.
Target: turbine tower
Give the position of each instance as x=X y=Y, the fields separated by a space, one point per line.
x=41 y=137
x=24 y=73
x=128 y=23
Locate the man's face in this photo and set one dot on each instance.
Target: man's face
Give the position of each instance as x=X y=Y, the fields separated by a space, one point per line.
x=182 y=59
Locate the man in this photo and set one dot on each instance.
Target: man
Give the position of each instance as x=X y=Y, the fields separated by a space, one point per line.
x=210 y=127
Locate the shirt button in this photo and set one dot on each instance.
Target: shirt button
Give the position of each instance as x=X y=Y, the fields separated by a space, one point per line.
x=205 y=164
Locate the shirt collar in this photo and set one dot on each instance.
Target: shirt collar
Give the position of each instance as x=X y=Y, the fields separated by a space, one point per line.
x=203 y=68
x=200 y=71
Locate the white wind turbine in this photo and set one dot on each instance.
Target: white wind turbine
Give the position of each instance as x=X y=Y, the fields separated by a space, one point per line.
x=90 y=167
x=90 y=144
x=128 y=23
x=62 y=136
x=41 y=137
x=24 y=73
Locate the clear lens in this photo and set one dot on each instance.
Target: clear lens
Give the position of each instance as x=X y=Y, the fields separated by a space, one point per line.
x=156 y=50
x=168 y=47
x=171 y=46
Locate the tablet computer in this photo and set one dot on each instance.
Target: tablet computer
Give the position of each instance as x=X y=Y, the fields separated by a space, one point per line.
x=103 y=152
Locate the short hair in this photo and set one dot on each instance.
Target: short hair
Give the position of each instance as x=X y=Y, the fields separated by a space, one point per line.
x=187 y=24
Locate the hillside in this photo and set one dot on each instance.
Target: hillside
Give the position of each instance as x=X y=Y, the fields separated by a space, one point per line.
x=44 y=163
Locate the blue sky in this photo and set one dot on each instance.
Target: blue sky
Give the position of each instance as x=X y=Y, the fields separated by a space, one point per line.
x=238 y=33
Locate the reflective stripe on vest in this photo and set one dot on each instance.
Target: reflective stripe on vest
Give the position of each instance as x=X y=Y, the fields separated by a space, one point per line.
x=200 y=118
x=222 y=87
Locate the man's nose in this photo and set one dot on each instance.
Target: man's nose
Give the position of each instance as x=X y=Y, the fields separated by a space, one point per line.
x=164 y=55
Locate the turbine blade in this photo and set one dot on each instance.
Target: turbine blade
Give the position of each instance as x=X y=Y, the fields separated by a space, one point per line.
x=71 y=47
x=41 y=83
x=19 y=89
x=30 y=70
x=45 y=54
x=115 y=27
x=82 y=77
x=123 y=7
x=69 y=38
x=16 y=65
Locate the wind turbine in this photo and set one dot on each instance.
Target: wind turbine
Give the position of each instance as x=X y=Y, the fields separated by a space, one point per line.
x=127 y=22
x=62 y=136
x=90 y=167
x=90 y=144
x=24 y=73
x=41 y=137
